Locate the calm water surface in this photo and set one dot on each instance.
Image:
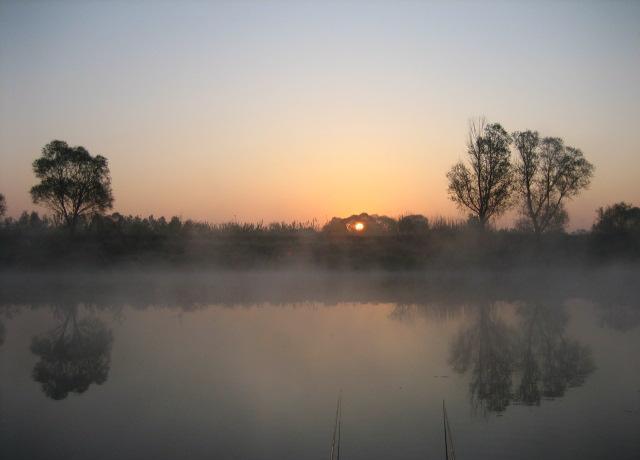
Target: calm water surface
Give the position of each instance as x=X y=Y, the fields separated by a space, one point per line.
x=223 y=366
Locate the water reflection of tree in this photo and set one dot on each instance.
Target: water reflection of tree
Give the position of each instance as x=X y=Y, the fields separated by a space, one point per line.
x=619 y=317
x=485 y=348
x=6 y=312
x=551 y=361
x=536 y=354
x=73 y=355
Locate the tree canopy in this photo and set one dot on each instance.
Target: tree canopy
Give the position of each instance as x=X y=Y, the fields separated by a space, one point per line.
x=73 y=183
x=547 y=173
x=619 y=218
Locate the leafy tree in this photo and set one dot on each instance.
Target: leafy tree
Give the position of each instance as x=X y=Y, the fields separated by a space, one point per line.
x=3 y=205
x=484 y=186
x=413 y=224
x=616 y=231
x=372 y=225
x=73 y=184
x=547 y=174
x=619 y=218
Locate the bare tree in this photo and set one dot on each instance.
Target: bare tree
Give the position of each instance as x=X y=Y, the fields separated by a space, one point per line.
x=72 y=182
x=484 y=186
x=547 y=174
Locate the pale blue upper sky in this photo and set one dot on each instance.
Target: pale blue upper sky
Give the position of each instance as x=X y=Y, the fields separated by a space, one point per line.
x=294 y=110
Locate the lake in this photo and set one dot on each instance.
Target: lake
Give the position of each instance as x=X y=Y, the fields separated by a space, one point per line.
x=228 y=365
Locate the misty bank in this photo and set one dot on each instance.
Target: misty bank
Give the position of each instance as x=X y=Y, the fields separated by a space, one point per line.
x=360 y=242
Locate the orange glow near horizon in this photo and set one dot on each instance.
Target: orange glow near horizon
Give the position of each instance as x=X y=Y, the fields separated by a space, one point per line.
x=251 y=112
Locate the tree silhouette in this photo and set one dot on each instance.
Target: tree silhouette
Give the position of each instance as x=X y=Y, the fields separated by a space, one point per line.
x=72 y=182
x=3 y=205
x=373 y=224
x=616 y=231
x=619 y=218
x=547 y=174
x=73 y=355
x=483 y=187
x=413 y=224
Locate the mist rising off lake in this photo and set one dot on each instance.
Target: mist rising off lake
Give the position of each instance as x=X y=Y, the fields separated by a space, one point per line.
x=250 y=365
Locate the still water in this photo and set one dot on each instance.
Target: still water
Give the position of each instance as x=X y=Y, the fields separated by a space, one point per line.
x=229 y=366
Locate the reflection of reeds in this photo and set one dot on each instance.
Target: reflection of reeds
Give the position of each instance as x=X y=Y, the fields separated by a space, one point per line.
x=448 y=439
x=335 y=442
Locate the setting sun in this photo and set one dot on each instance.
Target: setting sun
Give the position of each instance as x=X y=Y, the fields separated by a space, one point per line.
x=359 y=226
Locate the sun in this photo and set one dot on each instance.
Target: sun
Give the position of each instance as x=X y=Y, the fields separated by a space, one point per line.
x=359 y=226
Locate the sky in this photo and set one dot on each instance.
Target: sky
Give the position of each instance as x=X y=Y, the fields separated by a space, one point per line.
x=307 y=110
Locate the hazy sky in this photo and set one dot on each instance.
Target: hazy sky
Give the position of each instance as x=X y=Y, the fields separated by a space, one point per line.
x=300 y=110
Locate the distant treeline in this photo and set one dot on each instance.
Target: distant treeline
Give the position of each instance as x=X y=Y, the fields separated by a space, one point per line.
x=409 y=242
x=523 y=170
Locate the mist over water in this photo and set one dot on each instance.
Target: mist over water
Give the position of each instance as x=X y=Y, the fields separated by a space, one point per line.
x=249 y=365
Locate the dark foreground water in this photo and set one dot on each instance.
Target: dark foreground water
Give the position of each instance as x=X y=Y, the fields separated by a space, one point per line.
x=226 y=366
